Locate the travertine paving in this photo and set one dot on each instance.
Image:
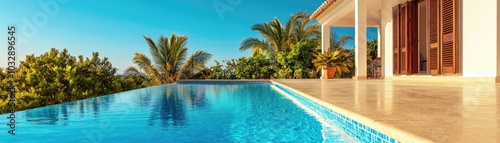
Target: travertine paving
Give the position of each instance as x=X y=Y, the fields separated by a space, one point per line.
x=423 y=111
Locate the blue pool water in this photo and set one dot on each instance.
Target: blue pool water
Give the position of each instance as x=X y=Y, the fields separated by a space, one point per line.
x=190 y=112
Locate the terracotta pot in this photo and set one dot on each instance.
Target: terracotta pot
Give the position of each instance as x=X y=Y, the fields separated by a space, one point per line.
x=330 y=73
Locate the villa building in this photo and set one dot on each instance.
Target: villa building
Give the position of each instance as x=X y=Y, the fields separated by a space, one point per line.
x=422 y=39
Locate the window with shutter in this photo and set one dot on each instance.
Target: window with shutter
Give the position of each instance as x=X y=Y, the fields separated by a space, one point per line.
x=433 y=32
x=448 y=32
x=409 y=40
x=413 y=36
x=395 y=39
x=404 y=37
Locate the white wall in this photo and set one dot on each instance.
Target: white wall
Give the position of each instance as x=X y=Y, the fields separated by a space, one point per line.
x=480 y=38
x=498 y=41
x=386 y=30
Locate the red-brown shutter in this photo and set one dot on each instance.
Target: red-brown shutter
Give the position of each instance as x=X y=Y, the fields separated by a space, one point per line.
x=413 y=36
x=433 y=34
x=448 y=31
x=404 y=38
x=395 y=39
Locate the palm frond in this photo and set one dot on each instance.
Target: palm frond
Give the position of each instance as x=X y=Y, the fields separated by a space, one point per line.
x=201 y=74
x=144 y=63
x=258 y=47
x=264 y=29
x=153 y=48
x=338 y=59
x=133 y=71
x=196 y=61
x=169 y=59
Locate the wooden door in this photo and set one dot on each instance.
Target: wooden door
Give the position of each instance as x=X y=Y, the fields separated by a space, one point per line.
x=448 y=35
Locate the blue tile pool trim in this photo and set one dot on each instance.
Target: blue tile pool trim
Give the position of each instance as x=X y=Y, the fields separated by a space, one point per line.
x=222 y=82
x=351 y=127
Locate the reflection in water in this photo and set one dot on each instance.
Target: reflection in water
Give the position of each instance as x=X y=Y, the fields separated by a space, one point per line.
x=175 y=113
x=101 y=102
x=64 y=110
x=167 y=108
x=170 y=108
x=195 y=95
x=95 y=107
x=53 y=115
x=81 y=108
x=43 y=116
x=144 y=98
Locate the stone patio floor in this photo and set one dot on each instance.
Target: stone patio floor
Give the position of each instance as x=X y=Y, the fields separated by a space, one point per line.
x=412 y=111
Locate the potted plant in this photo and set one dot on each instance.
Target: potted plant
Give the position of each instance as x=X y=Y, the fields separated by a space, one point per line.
x=336 y=61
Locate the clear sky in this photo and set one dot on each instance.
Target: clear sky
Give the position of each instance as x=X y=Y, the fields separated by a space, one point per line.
x=114 y=28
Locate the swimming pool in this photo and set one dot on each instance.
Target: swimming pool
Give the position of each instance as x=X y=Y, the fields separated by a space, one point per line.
x=184 y=112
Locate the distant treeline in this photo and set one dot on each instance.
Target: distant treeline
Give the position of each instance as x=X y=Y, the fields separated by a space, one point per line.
x=56 y=76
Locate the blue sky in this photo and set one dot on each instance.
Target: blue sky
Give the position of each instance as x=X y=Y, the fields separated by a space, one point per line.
x=114 y=28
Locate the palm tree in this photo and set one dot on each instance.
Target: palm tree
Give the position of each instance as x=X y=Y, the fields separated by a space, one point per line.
x=340 y=42
x=169 y=62
x=258 y=47
x=371 y=47
x=371 y=54
x=304 y=30
x=278 y=37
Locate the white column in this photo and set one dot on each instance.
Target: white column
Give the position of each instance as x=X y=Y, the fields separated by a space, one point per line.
x=379 y=42
x=325 y=37
x=381 y=48
x=325 y=44
x=360 y=38
x=387 y=37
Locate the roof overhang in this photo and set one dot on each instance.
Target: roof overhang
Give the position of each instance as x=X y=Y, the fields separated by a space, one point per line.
x=341 y=13
x=325 y=5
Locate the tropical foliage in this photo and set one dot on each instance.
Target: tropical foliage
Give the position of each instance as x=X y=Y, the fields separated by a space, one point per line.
x=371 y=53
x=338 y=42
x=278 y=37
x=290 y=50
x=56 y=77
x=256 y=67
x=287 y=48
x=338 y=59
x=170 y=62
x=293 y=50
x=297 y=62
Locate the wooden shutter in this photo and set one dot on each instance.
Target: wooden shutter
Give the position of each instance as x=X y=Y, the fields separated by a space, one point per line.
x=404 y=37
x=433 y=32
x=448 y=33
x=395 y=39
x=413 y=36
x=409 y=54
